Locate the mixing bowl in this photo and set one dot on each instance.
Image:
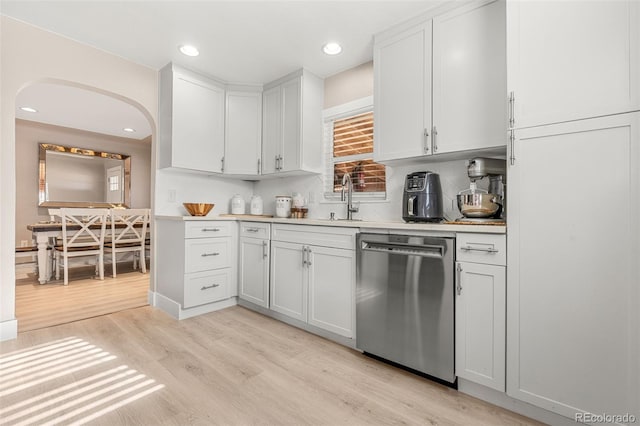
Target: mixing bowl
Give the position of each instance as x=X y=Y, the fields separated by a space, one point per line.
x=479 y=205
x=198 y=209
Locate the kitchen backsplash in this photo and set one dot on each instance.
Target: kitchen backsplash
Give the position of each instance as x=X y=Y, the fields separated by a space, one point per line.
x=186 y=187
x=453 y=177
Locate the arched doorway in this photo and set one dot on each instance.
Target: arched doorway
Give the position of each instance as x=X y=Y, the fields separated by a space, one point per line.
x=73 y=115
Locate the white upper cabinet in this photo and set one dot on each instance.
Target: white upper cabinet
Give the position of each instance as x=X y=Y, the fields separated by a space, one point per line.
x=243 y=133
x=402 y=94
x=292 y=124
x=191 y=121
x=271 y=129
x=470 y=78
x=572 y=60
x=440 y=84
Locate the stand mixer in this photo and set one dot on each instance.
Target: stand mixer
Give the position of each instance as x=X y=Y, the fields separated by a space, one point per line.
x=479 y=205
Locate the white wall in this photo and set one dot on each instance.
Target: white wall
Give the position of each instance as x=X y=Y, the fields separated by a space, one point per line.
x=29 y=55
x=174 y=188
x=29 y=134
x=354 y=83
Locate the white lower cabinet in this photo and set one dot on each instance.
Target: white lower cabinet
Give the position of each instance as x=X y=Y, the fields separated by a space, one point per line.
x=314 y=283
x=195 y=261
x=254 y=271
x=253 y=277
x=481 y=309
x=480 y=324
x=289 y=278
x=332 y=275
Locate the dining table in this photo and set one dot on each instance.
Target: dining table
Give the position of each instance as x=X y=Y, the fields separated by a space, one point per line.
x=43 y=231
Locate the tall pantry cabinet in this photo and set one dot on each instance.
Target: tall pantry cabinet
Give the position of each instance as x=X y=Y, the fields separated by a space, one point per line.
x=573 y=276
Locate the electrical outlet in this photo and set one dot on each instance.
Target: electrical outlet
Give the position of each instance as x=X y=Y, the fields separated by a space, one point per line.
x=24 y=243
x=172 y=196
x=312 y=197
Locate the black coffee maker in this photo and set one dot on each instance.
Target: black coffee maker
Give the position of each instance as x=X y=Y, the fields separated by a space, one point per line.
x=422 y=198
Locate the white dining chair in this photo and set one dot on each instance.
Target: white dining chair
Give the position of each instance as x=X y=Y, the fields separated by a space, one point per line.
x=83 y=232
x=128 y=234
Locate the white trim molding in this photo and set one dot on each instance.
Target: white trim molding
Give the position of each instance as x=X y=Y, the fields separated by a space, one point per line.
x=8 y=330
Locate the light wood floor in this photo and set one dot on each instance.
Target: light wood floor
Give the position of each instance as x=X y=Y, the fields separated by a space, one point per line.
x=39 y=306
x=231 y=367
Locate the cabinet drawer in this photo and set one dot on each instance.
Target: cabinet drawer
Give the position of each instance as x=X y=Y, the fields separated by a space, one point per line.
x=324 y=236
x=205 y=287
x=481 y=248
x=203 y=254
x=206 y=229
x=255 y=230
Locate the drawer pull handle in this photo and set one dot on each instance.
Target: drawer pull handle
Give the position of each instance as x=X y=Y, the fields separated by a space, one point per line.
x=210 y=229
x=210 y=254
x=486 y=250
x=207 y=287
x=253 y=229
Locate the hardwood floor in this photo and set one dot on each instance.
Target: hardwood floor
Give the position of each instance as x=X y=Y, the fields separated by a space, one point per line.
x=231 y=367
x=39 y=306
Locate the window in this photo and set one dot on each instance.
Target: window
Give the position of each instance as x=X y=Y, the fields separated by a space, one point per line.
x=349 y=141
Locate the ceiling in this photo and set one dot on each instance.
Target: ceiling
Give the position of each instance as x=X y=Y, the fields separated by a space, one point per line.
x=239 y=41
x=77 y=108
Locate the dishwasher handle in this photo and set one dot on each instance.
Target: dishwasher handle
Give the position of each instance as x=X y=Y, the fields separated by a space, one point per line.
x=424 y=250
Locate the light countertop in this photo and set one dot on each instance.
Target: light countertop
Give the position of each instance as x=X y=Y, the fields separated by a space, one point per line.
x=396 y=225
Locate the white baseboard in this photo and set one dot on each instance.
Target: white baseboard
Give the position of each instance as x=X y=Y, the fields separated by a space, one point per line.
x=503 y=400
x=8 y=329
x=174 y=309
x=345 y=341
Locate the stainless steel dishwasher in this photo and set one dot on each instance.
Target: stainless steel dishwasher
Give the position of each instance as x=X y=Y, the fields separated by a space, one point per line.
x=405 y=301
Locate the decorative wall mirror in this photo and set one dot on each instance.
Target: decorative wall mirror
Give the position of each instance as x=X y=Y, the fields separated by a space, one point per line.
x=78 y=177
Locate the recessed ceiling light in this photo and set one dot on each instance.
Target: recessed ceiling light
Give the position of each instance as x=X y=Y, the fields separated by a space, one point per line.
x=332 y=48
x=28 y=109
x=189 y=50
x=129 y=130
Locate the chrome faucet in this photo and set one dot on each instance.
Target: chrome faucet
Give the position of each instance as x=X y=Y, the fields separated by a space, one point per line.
x=350 y=207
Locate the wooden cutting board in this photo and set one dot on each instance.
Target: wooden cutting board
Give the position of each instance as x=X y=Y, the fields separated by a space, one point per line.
x=246 y=216
x=462 y=222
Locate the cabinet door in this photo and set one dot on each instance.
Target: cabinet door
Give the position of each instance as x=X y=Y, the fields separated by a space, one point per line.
x=402 y=91
x=198 y=125
x=470 y=78
x=480 y=324
x=291 y=122
x=288 y=280
x=332 y=276
x=271 y=129
x=572 y=263
x=254 y=271
x=572 y=60
x=243 y=133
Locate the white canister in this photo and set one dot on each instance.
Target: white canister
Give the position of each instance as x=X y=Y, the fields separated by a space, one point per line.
x=283 y=206
x=256 y=204
x=237 y=204
x=297 y=200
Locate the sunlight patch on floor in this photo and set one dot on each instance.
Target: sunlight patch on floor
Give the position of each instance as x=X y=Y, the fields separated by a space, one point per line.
x=43 y=384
